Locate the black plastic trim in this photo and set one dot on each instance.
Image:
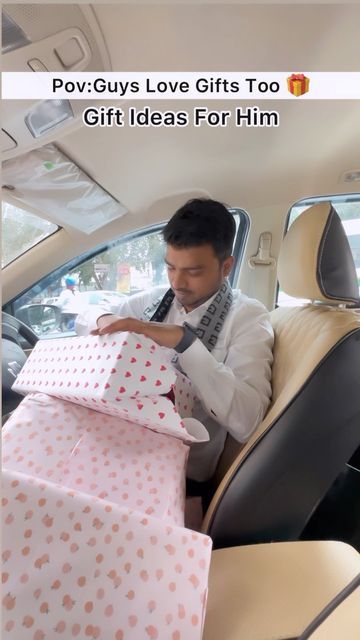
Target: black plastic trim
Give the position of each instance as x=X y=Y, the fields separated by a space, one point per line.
x=330 y=607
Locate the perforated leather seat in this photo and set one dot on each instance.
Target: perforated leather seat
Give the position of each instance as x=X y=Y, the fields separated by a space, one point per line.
x=313 y=425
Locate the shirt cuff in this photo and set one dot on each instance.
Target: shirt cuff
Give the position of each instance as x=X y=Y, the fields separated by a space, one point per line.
x=87 y=320
x=196 y=356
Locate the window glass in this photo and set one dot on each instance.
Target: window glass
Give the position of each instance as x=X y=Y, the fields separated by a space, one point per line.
x=123 y=267
x=348 y=209
x=21 y=230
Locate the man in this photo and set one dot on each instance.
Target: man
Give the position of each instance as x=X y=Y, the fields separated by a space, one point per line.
x=223 y=340
x=65 y=303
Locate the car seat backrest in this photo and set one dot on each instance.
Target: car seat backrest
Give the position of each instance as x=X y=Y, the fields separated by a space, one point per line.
x=303 y=337
x=312 y=426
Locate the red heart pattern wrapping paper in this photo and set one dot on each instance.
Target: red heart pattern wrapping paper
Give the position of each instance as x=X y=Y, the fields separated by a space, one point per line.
x=123 y=375
x=107 y=368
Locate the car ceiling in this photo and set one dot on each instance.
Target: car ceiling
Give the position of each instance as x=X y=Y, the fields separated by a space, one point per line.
x=315 y=143
x=151 y=170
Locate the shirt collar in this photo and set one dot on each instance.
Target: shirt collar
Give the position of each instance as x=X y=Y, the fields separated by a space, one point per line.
x=202 y=307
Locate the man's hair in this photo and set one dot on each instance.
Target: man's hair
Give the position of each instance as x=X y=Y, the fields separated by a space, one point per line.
x=202 y=221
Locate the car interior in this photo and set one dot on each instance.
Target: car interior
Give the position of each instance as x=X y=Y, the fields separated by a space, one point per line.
x=90 y=203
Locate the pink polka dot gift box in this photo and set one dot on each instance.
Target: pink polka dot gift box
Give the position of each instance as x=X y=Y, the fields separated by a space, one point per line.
x=76 y=566
x=101 y=455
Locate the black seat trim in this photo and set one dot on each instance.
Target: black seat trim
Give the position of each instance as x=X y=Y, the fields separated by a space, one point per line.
x=286 y=473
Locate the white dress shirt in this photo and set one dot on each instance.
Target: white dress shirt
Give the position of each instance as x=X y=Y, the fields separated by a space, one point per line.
x=232 y=382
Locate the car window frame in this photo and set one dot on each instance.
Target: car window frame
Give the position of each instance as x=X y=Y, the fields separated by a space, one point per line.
x=23 y=253
x=70 y=265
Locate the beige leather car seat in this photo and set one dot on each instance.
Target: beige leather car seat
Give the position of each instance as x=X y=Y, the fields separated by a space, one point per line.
x=313 y=425
x=274 y=591
x=344 y=619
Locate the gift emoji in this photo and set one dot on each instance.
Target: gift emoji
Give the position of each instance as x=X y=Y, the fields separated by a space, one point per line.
x=298 y=84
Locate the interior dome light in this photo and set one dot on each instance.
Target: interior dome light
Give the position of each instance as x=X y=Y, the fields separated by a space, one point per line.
x=47 y=115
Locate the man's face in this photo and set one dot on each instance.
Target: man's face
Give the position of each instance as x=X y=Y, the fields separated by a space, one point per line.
x=195 y=274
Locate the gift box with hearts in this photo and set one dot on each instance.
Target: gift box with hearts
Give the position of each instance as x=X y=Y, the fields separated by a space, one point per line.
x=118 y=376
x=97 y=368
x=184 y=396
x=79 y=566
x=101 y=455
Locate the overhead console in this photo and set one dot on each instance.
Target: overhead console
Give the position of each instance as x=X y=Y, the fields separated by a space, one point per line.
x=38 y=38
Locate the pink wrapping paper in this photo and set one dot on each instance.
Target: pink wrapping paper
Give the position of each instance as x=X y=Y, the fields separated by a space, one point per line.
x=105 y=368
x=185 y=396
x=98 y=454
x=92 y=547
x=121 y=376
x=76 y=566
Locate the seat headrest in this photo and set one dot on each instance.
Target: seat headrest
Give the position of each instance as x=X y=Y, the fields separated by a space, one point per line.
x=315 y=260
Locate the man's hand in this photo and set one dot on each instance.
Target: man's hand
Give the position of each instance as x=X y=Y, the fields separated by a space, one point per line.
x=165 y=335
x=104 y=321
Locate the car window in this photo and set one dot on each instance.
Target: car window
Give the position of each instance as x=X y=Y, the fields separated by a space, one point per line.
x=125 y=266
x=21 y=230
x=348 y=209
